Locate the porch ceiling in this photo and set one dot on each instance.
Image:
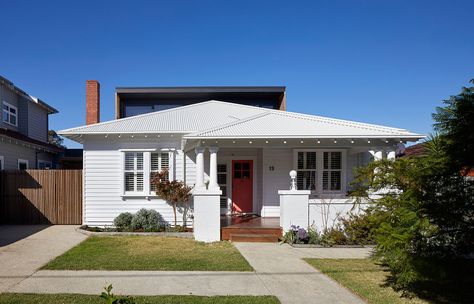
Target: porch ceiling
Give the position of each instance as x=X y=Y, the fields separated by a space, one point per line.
x=294 y=143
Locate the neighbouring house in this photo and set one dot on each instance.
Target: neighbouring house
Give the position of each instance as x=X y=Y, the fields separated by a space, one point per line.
x=24 y=130
x=236 y=151
x=71 y=159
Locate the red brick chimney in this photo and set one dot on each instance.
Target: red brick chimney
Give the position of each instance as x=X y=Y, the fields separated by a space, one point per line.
x=92 y=102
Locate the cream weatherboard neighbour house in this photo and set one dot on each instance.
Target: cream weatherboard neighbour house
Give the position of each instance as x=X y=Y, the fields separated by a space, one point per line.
x=237 y=157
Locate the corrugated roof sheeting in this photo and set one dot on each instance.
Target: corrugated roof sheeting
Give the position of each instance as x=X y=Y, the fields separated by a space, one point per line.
x=216 y=119
x=185 y=119
x=285 y=124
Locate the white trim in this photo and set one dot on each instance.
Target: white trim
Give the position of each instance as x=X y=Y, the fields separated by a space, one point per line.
x=10 y=106
x=146 y=170
x=2 y=162
x=24 y=161
x=137 y=150
x=44 y=162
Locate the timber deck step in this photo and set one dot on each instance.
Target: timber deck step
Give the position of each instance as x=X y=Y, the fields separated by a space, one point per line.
x=268 y=238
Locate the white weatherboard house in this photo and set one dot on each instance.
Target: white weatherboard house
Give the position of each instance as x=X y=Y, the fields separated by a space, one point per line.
x=245 y=153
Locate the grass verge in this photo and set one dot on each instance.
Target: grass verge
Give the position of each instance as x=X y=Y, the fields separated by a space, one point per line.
x=150 y=253
x=12 y=298
x=372 y=282
x=364 y=277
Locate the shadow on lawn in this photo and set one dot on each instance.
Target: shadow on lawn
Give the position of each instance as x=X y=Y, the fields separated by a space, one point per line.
x=457 y=286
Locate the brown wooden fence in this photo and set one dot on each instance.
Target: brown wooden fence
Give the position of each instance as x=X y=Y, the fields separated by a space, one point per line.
x=41 y=197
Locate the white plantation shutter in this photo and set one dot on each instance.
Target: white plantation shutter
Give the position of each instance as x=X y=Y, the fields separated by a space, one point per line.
x=306 y=173
x=332 y=171
x=158 y=162
x=133 y=172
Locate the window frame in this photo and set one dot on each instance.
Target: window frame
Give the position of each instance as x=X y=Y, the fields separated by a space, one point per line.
x=44 y=162
x=329 y=170
x=320 y=168
x=2 y=162
x=10 y=106
x=135 y=171
x=295 y=161
x=24 y=161
x=146 y=170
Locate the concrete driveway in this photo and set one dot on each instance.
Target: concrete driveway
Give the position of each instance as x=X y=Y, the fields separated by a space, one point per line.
x=25 y=248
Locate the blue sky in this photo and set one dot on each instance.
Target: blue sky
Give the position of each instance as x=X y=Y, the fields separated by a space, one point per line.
x=383 y=62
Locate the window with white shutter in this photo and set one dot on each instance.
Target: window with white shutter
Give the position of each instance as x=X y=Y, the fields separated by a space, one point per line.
x=332 y=171
x=158 y=162
x=134 y=172
x=306 y=170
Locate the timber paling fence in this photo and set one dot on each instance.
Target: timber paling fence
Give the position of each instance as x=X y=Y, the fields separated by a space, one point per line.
x=41 y=197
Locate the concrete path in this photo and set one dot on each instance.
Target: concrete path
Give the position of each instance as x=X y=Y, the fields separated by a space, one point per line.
x=205 y=283
x=292 y=280
x=24 y=249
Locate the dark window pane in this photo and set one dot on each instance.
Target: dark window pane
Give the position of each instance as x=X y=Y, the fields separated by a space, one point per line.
x=237 y=166
x=300 y=160
x=237 y=174
x=13 y=119
x=326 y=160
x=246 y=174
x=336 y=159
x=306 y=180
x=325 y=180
x=245 y=166
x=335 y=180
x=311 y=160
x=221 y=168
x=221 y=179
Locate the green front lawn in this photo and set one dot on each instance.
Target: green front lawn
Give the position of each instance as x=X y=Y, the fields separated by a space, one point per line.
x=364 y=277
x=150 y=253
x=88 y=299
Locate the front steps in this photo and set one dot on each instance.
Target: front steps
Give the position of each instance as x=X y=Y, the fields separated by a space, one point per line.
x=251 y=234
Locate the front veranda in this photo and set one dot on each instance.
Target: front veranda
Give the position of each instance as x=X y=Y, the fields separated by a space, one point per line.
x=251 y=177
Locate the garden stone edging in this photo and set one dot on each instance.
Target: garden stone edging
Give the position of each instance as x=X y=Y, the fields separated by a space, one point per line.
x=334 y=246
x=187 y=235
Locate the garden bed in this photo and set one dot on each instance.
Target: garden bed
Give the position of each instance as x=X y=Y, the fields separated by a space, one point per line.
x=111 y=231
x=329 y=246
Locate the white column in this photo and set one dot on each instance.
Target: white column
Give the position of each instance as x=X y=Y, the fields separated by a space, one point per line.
x=378 y=155
x=213 y=168
x=199 y=167
x=391 y=155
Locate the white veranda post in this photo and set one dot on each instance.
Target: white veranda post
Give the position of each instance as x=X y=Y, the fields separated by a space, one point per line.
x=213 y=168
x=199 y=167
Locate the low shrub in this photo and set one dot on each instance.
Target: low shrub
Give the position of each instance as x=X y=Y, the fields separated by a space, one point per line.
x=110 y=298
x=299 y=235
x=148 y=220
x=123 y=222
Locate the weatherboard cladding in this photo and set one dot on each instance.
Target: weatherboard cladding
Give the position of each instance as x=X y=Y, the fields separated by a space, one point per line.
x=216 y=119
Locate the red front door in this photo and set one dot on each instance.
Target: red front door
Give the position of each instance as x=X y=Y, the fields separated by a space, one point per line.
x=242 y=186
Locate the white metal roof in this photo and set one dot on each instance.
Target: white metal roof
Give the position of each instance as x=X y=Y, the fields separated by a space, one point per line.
x=217 y=119
x=186 y=119
x=282 y=124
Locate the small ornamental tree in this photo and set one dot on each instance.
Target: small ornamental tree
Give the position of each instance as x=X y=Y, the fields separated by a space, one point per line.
x=176 y=193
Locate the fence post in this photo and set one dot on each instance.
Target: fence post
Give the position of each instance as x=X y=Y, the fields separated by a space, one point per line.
x=207 y=215
x=294 y=208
